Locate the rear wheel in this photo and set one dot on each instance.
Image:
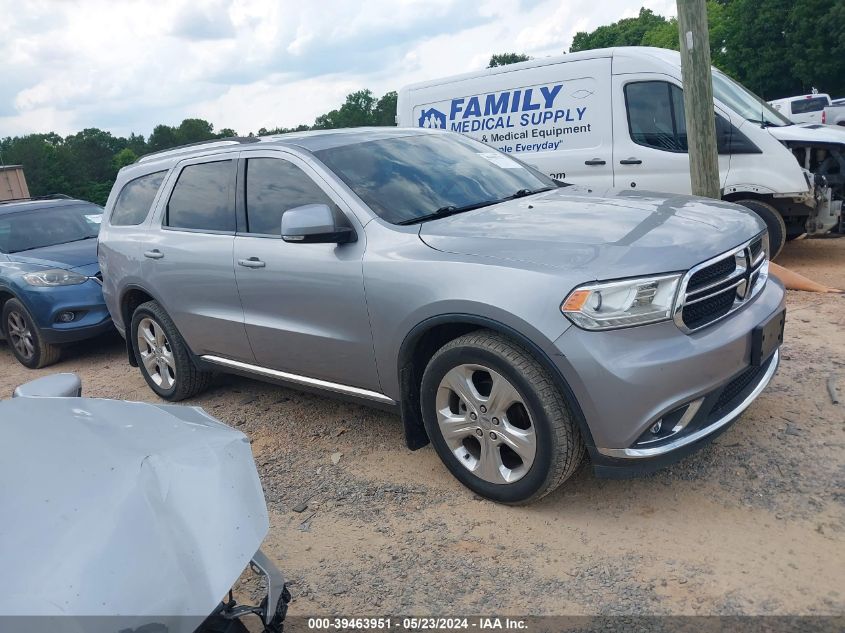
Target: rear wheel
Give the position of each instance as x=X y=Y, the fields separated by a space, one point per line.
x=497 y=420
x=24 y=338
x=163 y=356
x=774 y=223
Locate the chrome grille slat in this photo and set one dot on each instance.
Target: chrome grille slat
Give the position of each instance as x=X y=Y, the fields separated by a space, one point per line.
x=735 y=275
x=690 y=302
x=718 y=287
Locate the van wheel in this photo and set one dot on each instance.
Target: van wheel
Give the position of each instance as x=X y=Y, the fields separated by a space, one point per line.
x=497 y=420
x=163 y=356
x=774 y=223
x=23 y=337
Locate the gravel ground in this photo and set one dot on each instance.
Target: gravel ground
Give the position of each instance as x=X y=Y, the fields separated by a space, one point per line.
x=753 y=524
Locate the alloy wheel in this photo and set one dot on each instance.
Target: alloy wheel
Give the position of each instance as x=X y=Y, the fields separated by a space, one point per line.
x=485 y=423
x=20 y=335
x=156 y=353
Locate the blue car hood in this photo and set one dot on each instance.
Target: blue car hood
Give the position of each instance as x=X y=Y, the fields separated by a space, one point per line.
x=76 y=256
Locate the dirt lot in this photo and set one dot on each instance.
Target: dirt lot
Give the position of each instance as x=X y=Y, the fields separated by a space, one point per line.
x=753 y=524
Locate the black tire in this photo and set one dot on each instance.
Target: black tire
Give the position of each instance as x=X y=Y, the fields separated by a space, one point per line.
x=774 y=223
x=187 y=379
x=36 y=352
x=559 y=446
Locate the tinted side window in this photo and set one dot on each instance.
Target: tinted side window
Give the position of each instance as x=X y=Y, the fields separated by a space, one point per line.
x=272 y=187
x=815 y=104
x=656 y=115
x=135 y=199
x=201 y=199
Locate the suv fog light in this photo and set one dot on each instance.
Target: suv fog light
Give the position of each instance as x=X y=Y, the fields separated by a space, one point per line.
x=66 y=317
x=655 y=428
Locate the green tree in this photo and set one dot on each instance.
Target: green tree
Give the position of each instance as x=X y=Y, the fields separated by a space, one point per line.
x=162 y=137
x=194 y=131
x=626 y=32
x=124 y=157
x=361 y=108
x=385 y=110
x=503 y=59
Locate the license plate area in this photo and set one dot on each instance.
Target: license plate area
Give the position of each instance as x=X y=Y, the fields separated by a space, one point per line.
x=766 y=338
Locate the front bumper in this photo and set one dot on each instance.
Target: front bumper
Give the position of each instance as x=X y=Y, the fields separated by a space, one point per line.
x=628 y=380
x=84 y=300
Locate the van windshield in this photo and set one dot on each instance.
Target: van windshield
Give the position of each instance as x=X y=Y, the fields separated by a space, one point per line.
x=421 y=177
x=745 y=103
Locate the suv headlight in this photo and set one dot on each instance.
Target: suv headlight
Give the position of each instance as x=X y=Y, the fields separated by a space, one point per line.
x=617 y=304
x=54 y=277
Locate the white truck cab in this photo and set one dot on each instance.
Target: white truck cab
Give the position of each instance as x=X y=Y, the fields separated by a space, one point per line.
x=615 y=117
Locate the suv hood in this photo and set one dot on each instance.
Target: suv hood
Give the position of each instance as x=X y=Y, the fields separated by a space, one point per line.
x=809 y=132
x=72 y=255
x=610 y=234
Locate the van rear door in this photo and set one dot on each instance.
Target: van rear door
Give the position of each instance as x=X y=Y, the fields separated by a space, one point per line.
x=650 y=135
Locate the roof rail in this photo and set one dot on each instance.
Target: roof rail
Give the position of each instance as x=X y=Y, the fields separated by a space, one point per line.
x=210 y=143
x=51 y=196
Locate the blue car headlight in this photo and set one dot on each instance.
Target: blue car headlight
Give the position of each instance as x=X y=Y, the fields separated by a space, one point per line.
x=54 y=277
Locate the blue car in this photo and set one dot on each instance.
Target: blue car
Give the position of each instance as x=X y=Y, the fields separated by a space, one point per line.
x=50 y=282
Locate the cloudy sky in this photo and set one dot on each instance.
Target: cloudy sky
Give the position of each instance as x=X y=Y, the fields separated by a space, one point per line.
x=126 y=65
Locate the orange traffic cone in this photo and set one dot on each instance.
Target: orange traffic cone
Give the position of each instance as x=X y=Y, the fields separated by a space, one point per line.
x=794 y=281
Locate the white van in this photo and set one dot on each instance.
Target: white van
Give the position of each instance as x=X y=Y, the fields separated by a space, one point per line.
x=615 y=118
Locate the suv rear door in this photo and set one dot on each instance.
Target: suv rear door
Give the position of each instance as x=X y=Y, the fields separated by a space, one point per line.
x=304 y=304
x=188 y=259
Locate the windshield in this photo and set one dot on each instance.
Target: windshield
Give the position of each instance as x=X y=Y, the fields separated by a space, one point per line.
x=407 y=178
x=40 y=227
x=745 y=103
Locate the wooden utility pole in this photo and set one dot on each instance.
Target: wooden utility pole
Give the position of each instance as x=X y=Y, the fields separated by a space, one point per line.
x=698 y=97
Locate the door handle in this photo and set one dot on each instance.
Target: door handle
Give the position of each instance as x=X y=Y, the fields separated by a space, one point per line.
x=595 y=161
x=630 y=161
x=252 y=262
x=154 y=254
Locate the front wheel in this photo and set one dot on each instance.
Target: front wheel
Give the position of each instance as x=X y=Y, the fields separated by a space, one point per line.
x=163 y=356
x=497 y=420
x=23 y=336
x=774 y=223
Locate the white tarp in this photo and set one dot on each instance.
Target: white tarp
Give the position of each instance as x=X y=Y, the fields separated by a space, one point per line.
x=111 y=508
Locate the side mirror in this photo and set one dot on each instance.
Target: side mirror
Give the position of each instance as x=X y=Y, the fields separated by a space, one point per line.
x=55 y=386
x=315 y=224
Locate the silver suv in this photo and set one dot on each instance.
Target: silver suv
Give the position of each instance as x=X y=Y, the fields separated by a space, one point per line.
x=513 y=321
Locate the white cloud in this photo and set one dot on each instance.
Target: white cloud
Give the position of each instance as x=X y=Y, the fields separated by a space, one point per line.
x=127 y=66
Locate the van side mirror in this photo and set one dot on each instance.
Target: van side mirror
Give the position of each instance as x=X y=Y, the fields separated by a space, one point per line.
x=55 y=386
x=315 y=224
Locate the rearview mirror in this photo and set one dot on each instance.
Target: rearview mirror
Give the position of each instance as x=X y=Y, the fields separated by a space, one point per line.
x=55 y=386
x=315 y=224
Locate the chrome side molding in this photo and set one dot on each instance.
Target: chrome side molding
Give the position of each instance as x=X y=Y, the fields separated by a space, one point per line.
x=300 y=380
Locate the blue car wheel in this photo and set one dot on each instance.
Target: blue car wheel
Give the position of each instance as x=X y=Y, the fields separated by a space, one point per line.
x=24 y=339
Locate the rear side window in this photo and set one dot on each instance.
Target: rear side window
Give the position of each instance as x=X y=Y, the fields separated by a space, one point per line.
x=802 y=106
x=135 y=199
x=202 y=198
x=656 y=115
x=272 y=187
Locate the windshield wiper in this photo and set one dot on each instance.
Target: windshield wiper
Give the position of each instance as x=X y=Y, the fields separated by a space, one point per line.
x=33 y=248
x=448 y=210
x=527 y=192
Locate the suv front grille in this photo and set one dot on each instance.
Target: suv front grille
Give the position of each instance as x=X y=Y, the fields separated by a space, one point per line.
x=714 y=289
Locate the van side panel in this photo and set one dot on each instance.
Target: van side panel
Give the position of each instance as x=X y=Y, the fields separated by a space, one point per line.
x=556 y=117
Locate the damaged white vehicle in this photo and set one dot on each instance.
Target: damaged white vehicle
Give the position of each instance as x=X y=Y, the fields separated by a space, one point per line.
x=121 y=515
x=820 y=150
